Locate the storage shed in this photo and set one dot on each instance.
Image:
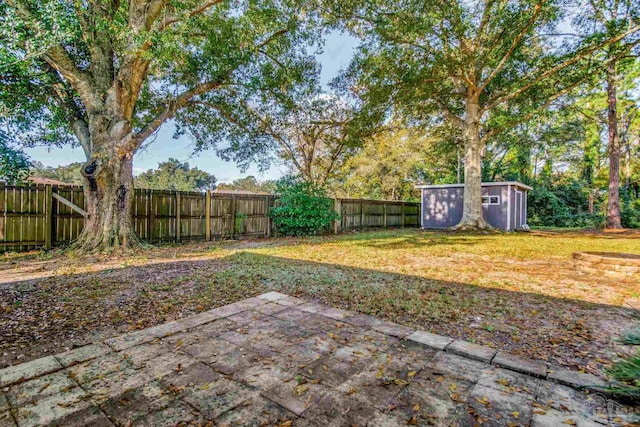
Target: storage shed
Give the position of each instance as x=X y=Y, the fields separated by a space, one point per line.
x=504 y=205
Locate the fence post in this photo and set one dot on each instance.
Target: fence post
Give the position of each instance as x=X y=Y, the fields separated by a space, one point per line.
x=403 y=220
x=337 y=206
x=361 y=215
x=233 y=217
x=48 y=221
x=207 y=215
x=178 y=216
x=384 y=211
x=149 y=215
x=266 y=216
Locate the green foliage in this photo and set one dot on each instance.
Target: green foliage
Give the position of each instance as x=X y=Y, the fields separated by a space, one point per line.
x=239 y=225
x=301 y=208
x=66 y=173
x=630 y=210
x=561 y=202
x=58 y=59
x=627 y=372
x=390 y=165
x=14 y=163
x=249 y=183
x=631 y=336
x=173 y=175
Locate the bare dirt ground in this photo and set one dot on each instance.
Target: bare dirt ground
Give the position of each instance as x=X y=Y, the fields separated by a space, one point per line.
x=515 y=292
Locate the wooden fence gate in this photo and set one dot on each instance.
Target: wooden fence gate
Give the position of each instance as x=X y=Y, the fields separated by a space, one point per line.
x=37 y=216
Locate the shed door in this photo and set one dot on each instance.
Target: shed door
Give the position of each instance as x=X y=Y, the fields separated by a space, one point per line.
x=519 y=211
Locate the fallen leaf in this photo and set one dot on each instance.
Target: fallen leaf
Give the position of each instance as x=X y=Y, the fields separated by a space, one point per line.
x=484 y=400
x=298 y=390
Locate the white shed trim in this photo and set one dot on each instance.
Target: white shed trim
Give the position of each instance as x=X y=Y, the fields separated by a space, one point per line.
x=509 y=208
x=484 y=184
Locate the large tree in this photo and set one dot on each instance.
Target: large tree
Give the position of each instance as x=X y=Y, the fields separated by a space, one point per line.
x=392 y=163
x=611 y=17
x=483 y=66
x=315 y=138
x=107 y=74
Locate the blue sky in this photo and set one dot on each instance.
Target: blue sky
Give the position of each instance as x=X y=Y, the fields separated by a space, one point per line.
x=338 y=50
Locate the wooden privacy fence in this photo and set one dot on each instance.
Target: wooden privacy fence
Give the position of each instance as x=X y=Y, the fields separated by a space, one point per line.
x=45 y=216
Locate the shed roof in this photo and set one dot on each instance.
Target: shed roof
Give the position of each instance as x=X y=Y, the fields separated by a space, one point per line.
x=484 y=184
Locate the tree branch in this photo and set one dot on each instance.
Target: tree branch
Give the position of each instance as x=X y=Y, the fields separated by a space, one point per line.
x=455 y=120
x=172 y=19
x=493 y=132
x=559 y=67
x=512 y=48
x=170 y=111
x=59 y=58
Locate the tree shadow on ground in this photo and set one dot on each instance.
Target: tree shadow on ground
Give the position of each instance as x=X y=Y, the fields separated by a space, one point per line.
x=51 y=314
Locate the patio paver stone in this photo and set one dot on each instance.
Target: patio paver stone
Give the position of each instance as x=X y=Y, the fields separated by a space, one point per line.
x=278 y=360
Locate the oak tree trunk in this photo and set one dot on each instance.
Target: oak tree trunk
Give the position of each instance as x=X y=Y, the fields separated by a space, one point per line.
x=109 y=195
x=472 y=217
x=613 y=204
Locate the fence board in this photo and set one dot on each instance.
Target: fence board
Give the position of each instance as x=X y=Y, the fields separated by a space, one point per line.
x=30 y=218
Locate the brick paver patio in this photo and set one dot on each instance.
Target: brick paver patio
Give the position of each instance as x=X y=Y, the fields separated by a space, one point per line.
x=275 y=360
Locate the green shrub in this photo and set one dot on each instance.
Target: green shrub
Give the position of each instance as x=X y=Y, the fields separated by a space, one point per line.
x=563 y=202
x=631 y=335
x=301 y=208
x=629 y=211
x=627 y=373
x=546 y=208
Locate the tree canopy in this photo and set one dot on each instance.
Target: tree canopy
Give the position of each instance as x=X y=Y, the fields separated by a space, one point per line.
x=66 y=173
x=107 y=75
x=484 y=67
x=177 y=176
x=249 y=183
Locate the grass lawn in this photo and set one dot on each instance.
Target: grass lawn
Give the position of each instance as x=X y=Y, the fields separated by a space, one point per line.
x=516 y=292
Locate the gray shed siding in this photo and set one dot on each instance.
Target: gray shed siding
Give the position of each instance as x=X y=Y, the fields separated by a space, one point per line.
x=442 y=206
x=496 y=214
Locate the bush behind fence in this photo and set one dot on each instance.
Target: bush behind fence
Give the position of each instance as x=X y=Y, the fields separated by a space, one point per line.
x=32 y=216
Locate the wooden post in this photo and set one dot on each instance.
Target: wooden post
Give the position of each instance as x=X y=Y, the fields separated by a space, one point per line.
x=233 y=217
x=403 y=220
x=178 y=204
x=151 y=218
x=267 y=218
x=384 y=211
x=337 y=206
x=48 y=220
x=361 y=215
x=207 y=215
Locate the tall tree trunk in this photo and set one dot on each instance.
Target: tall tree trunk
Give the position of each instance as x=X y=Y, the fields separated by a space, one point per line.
x=472 y=204
x=613 y=204
x=109 y=193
